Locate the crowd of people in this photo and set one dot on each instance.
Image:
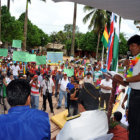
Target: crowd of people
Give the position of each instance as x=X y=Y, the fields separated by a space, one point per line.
x=87 y=91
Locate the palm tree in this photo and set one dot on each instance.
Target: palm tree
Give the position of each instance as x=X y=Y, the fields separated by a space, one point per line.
x=97 y=18
x=0 y=20
x=25 y=24
x=137 y=23
x=73 y=32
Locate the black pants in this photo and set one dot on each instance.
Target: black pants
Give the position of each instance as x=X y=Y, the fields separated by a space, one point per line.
x=49 y=97
x=68 y=100
x=73 y=108
x=134 y=115
x=104 y=98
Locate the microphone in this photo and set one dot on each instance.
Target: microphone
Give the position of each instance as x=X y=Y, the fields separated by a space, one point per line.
x=128 y=54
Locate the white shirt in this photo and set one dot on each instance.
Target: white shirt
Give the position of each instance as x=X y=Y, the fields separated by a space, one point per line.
x=136 y=71
x=15 y=70
x=8 y=80
x=50 y=86
x=90 y=80
x=90 y=125
x=63 y=84
x=107 y=84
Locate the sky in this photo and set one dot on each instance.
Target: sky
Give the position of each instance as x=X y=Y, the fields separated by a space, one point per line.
x=51 y=17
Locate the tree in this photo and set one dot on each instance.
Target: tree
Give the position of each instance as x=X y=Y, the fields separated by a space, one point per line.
x=73 y=32
x=8 y=4
x=25 y=24
x=0 y=20
x=35 y=36
x=98 y=19
x=12 y=28
x=123 y=48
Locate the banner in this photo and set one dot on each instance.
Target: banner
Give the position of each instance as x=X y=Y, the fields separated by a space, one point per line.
x=3 y=52
x=26 y=57
x=69 y=72
x=40 y=60
x=54 y=57
x=20 y=56
x=31 y=58
x=16 y=43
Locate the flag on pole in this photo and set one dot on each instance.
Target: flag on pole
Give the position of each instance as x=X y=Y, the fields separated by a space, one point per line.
x=111 y=40
x=105 y=37
x=116 y=45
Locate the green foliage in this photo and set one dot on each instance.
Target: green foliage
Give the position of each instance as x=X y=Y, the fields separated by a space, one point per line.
x=123 y=48
x=88 y=41
x=69 y=28
x=35 y=36
x=11 y=28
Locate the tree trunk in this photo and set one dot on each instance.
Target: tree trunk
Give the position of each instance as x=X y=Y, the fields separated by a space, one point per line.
x=98 y=45
x=74 y=25
x=0 y=22
x=8 y=5
x=25 y=27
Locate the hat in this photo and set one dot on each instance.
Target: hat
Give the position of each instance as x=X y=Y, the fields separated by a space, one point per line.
x=105 y=65
x=59 y=70
x=89 y=64
x=89 y=97
x=35 y=76
x=65 y=73
x=11 y=62
x=82 y=67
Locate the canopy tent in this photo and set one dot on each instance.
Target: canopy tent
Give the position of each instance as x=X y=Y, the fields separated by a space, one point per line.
x=128 y=9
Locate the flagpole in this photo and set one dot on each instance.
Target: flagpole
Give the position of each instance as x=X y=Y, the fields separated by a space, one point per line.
x=102 y=56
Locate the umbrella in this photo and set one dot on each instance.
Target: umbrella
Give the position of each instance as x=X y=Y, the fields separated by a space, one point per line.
x=128 y=9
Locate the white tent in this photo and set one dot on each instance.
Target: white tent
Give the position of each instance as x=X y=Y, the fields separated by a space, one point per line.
x=128 y=9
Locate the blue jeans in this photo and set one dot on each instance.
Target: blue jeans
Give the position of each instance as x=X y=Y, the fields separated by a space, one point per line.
x=15 y=77
x=34 y=102
x=61 y=94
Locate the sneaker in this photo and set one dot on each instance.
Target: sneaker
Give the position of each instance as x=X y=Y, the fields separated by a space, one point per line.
x=58 y=107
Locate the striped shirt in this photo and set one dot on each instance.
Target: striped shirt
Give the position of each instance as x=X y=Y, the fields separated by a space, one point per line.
x=34 y=90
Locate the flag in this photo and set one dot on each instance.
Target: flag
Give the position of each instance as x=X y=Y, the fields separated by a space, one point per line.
x=111 y=40
x=116 y=45
x=105 y=37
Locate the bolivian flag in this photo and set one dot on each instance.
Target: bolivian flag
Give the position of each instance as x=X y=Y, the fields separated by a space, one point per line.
x=105 y=37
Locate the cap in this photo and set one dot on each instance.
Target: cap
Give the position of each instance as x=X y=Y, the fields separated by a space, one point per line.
x=35 y=76
x=65 y=73
x=59 y=70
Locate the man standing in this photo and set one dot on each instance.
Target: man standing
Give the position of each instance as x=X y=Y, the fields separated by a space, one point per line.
x=134 y=83
x=58 y=77
x=88 y=78
x=15 y=69
x=70 y=86
x=35 y=92
x=21 y=122
x=106 y=87
x=47 y=90
x=62 y=90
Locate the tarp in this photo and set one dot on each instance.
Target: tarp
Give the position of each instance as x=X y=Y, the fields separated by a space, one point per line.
x=16 y=43
x=54 y=57
x=40 y=60
x=3 y=52
x=128 y=9
x=69 y=72
x=26 y=57
x=20 y=56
